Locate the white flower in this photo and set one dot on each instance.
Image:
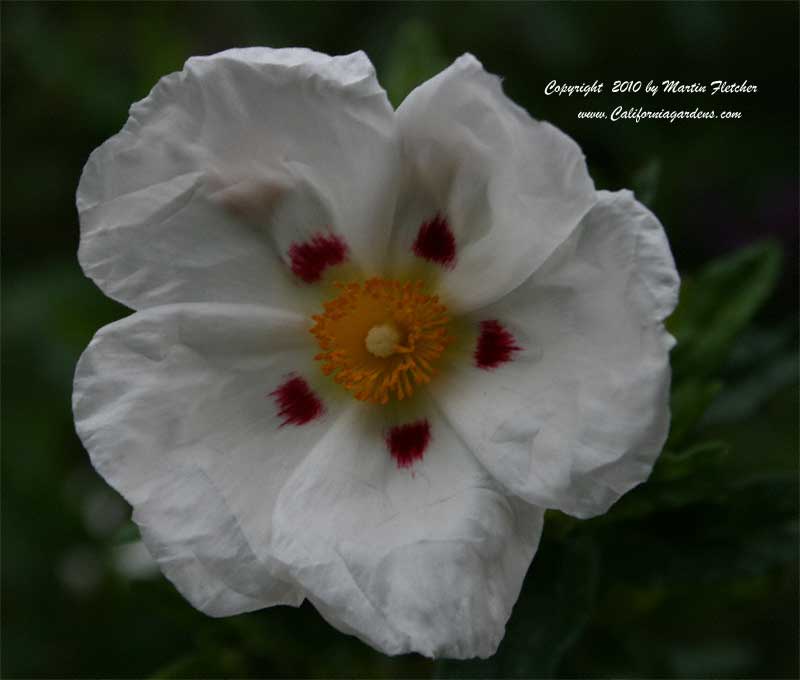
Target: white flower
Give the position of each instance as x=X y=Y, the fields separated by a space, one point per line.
x=384 y=448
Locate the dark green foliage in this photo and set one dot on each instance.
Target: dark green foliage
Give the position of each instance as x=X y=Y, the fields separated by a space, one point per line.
x=717 y=304
x=415 y=56
x=645 y=181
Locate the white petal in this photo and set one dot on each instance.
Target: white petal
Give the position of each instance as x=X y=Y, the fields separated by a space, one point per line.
x=429 y=560
x=226 y=164
x=579 y=417
x=512 y=188
x=173 y=405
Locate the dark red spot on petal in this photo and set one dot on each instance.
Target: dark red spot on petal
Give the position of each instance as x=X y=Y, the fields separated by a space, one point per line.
x=312 y=257
x=408 y=442
x=496 y=345
x=296 y=402
x=435 y=242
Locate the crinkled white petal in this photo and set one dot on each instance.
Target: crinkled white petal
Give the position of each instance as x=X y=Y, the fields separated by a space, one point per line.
x=173 y=404
x=579 y=417
x=512 y=188
x=429 y=560
x=227 y=163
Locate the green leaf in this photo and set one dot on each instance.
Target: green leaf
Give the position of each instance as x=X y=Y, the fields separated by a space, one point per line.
x=558 y=525
x=127 y=533
x=212 y=662
x=717 y=304
x=743 y=399
x=762 y=363
x=699 y=458
x=414 y=57
x=759 y=345
x=679 y=479
x=689 y=402
x=645 y=181
x=748 y=529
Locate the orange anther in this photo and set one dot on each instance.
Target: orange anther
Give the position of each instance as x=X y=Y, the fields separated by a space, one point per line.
x=375 y=374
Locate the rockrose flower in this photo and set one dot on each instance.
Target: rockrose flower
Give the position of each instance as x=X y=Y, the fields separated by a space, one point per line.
x=370 y=346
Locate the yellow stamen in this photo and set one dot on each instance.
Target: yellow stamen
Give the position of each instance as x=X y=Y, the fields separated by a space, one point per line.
x=381 y=338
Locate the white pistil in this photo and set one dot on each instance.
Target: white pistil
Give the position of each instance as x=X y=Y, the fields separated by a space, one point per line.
x=382 y=340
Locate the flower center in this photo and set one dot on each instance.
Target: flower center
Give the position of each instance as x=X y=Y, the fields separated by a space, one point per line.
x=381 y=337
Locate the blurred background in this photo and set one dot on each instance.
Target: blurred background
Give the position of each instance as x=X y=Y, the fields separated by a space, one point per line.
x=694 y=574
